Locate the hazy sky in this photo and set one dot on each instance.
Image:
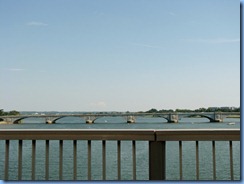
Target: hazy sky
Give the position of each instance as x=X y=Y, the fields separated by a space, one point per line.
x=105 y=55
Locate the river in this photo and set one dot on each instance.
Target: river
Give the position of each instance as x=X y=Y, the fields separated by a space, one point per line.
x=172 y=151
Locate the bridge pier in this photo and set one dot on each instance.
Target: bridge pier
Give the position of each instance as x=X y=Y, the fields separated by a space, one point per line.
x=12 y=120
x=130 y=119
x=218 y=117
x=8 y=120
x=90 y=119
x=173 y=118
x=50 y=120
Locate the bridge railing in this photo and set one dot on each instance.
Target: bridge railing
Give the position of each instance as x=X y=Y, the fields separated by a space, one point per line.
x=157 y=141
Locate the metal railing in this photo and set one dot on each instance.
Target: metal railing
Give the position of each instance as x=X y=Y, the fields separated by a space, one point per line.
x=157 y=140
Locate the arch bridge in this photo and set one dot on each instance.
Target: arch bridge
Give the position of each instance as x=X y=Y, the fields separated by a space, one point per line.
x=129 y=117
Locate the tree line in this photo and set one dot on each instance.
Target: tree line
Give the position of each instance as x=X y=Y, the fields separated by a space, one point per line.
x=202 y=109
x=13 y=112
x=153 y=110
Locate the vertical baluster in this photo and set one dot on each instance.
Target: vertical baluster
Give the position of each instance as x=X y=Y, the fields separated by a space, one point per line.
x=119 y=159
x=20 y=160
x=75 y=159
x=89 y=159
x=157 y=160
x=214 y=160
x=6 y=159
x=47 y=160
x=180 y=158
x=60 y=159
x=231 y=161
x=134 y=158
x=197 y=160
x=33 y=159
x=104 y=159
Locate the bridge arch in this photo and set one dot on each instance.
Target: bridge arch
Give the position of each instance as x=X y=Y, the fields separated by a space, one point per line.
x=164 y=117
x=16 y=121
x=105 y=119
x=201 y=115
x=94 y=119
x=52 y=120
x=55 y=119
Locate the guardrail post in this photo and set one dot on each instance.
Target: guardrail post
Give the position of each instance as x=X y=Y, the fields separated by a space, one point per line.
x=157 y=160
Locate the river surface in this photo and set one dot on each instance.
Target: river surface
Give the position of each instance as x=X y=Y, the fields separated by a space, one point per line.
x=172 y=151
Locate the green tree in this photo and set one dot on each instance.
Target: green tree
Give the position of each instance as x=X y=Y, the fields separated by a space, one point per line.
x=1 y=112
x=201 y=110
x=166 y=110
x=13 y=112
x=152 y=111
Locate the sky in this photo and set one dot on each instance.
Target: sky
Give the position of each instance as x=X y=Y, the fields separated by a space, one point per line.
x=123 y=55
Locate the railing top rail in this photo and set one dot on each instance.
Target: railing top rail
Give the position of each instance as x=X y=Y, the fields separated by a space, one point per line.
x=198 y=135
x=77 y=134
x=122 y=134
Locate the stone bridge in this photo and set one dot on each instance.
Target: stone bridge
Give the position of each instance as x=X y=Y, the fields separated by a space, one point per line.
x=51 y=119
x=129 y=117
x=212 y=116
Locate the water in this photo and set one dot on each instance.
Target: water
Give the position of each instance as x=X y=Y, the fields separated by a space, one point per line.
x=172 y=151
